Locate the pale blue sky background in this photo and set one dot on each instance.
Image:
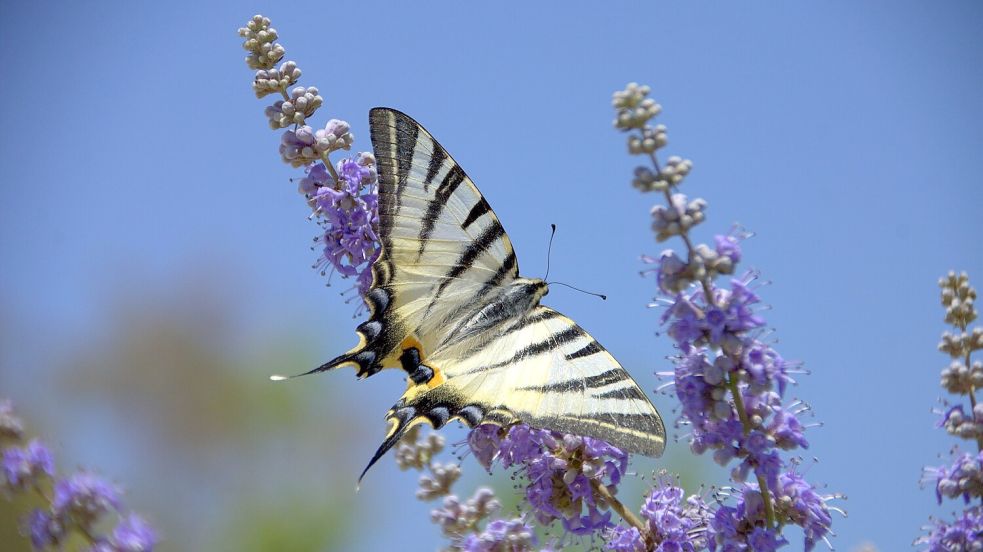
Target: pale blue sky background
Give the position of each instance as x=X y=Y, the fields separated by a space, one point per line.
x=846 y=135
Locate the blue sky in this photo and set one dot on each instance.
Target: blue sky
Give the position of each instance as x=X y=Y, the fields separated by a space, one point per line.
x=846 y=136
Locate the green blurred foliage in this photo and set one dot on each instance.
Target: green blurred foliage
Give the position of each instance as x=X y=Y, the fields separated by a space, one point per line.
x=174 y=403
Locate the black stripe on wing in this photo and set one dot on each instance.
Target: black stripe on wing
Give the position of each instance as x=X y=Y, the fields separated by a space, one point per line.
x=596 y=381
x=476 y=212
x=407 y=134
x=591 y=348
x=437 y=159
x=554 y=341
x=455 y=176
x=536 y=317
x=466 y=261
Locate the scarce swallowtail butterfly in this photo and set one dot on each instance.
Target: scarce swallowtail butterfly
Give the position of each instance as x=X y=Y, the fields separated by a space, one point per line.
x=448 y=306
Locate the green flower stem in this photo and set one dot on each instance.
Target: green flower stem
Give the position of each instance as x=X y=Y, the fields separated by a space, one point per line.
x=746 y=424
x=625 y=513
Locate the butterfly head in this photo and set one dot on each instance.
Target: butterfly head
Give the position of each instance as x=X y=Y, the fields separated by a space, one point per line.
x=534 y=288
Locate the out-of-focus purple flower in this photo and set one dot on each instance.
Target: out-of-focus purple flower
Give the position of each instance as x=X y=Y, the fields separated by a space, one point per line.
x=134 y=534
x=23 y=466
x=965 y=533
x=964 y=478
x=84 y=497
x=501 y=536
x=11 y=426
x=728 y=246
x=44 y=529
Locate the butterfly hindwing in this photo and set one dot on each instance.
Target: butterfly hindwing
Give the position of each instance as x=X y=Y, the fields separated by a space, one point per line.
x=545 y=371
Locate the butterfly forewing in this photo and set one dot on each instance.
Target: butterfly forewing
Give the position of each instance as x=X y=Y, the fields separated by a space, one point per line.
x=441 y=240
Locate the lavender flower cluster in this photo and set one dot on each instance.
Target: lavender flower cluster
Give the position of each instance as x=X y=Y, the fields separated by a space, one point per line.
x=75 y=504
x=961 y=378
x=731 y=384
x=570 y=478
x=343 y=196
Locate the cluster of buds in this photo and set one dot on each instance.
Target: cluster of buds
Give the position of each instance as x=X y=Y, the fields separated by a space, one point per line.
x=457 y=519
x=958 y=423
x=274 y=81
x=677 y=217
x=964 y=478
x=675 y=274
x=958 y=298
x=634 y=109
x=264 y=52
x=294 y=111
x=672 y=174
x=305 y=146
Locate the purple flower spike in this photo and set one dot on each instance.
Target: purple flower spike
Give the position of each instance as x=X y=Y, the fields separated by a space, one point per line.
x=963 y=533
x=961 y=378
x=84 y=497
x=730 y=383
x=349 y=212
x=44 y=529
x=22 y=467
x=133 y=534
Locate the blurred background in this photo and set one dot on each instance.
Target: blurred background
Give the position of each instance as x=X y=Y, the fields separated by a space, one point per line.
x=155 y=258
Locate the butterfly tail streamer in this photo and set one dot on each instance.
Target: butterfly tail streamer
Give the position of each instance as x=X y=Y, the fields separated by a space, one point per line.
x=400 y=421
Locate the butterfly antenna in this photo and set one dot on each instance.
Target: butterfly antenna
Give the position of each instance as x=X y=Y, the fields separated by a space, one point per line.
x=601 y=295
x=549 y=250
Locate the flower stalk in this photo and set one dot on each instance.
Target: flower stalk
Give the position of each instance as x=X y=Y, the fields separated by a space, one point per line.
x=963 y=478
x=730 y=383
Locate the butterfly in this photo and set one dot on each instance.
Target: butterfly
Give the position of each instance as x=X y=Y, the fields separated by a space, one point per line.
x=447 y=306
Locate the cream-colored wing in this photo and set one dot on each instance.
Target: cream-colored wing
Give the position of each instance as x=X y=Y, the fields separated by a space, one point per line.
x=543 y=370
x=443 y=248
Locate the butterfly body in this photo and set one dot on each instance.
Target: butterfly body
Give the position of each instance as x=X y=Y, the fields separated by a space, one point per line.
x=447 y=306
